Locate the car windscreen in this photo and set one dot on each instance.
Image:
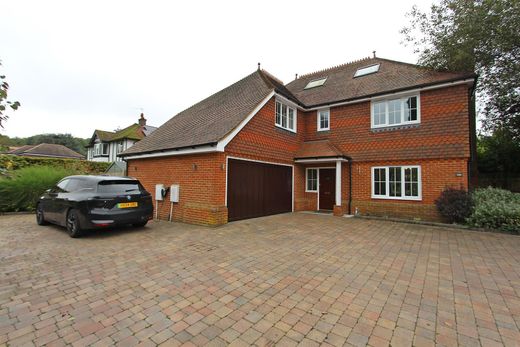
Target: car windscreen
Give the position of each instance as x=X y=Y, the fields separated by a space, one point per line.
x=119 y=186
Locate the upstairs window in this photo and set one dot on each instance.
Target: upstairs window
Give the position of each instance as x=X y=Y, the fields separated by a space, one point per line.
x=394 y=112
x=323 y=120
x=285 y=116
x=100 y=149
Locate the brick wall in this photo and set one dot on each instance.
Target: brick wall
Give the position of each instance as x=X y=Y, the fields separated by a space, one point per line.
x=440 y=144
x=201 y=178
x=436 y=174
x=442 y=133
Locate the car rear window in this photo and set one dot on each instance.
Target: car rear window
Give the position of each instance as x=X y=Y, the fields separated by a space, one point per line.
x=119 y=186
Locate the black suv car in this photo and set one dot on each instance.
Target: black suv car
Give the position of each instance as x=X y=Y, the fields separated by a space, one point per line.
x=90 y=202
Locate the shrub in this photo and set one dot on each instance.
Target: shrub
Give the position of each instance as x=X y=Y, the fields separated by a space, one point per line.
x=455 y=205
x=496 y=209
x=8 y=163
x=21 y=191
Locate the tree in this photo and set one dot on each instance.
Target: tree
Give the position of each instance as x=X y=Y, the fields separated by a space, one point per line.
x=475 y=35
x=4 y=103
x=496 y=157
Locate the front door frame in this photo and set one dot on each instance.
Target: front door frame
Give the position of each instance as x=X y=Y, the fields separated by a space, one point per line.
x=318 y=195
x=318 y=181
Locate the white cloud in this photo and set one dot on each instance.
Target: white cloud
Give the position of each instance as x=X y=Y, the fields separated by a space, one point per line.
x=80 y=65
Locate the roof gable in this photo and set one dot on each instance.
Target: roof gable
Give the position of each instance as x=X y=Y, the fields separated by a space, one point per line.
x=211 y=119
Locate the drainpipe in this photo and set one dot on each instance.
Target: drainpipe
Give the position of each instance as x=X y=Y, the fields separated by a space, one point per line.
x=350 y=186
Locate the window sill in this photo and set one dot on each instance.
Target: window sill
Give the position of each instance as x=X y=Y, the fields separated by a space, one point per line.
x=397 y=198
x=394 y=127
x=310 y=191
x=285 y=129
x=323 y=130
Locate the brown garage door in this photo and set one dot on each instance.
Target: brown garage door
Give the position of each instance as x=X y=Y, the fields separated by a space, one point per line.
x=258 y=189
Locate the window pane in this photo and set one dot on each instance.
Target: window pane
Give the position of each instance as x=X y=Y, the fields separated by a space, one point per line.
x=380 y=181
x=379 y=113
x=312 y=179
x=284 y=116
x=291 y=118
x=394 y=111
x=411 y=178
x=278 y=111
x=395 y=181
x=410 y=109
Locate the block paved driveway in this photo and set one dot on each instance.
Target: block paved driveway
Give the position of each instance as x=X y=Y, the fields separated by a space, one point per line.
x=282 y=280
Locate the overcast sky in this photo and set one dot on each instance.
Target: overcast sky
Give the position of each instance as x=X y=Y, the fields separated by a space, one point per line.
x=80 y=65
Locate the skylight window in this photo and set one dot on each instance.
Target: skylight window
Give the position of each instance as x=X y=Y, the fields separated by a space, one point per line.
x=367 y=70
x=315 y=83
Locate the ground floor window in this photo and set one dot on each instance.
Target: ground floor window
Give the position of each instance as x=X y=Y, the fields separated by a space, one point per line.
x=311 y=180
x=396 y=182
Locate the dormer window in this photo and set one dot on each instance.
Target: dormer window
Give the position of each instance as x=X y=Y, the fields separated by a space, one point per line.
x=315 y=83
x=367 y=70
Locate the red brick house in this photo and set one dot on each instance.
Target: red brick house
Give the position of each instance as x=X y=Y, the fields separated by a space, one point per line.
x=373 y=136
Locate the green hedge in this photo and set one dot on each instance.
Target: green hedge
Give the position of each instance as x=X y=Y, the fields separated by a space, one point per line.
x=9 y=163
x=496 y=209
x=21 y=191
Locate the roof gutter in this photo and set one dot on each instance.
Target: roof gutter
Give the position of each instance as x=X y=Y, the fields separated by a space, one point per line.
x=202 y=148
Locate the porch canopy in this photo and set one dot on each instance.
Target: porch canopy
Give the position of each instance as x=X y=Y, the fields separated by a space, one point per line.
x=323 y=151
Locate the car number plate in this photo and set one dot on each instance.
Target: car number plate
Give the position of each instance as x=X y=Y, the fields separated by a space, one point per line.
x=127 y=204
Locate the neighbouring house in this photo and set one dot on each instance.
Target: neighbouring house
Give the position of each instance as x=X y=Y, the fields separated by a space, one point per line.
x=47 y=150
x=374 y=136
x=105 y=146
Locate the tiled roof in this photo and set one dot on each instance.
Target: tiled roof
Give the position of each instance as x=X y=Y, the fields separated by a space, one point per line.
x=341 y=85
x=47 y=150
x=318 y=149
x=211 y=119
x=132 y=132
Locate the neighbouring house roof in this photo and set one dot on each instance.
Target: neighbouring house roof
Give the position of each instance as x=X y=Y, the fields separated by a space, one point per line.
x=212 y=119
x=133 y=132
x=341 y=85
x=318 y=149
x=47 y=150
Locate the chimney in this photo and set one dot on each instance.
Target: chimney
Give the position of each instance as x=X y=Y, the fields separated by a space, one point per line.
x=142 y=120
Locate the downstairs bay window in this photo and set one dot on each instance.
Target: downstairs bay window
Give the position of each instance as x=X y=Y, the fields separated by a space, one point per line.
x=396 y=182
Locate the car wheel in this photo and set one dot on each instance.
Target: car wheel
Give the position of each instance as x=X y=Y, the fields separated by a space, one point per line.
x=140 y=224
x=40 y=218
x=73 y=224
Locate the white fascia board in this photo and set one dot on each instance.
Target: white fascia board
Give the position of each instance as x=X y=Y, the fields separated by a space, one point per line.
x=385 y=96
x=320 y=160
x=227 y=139
x=196 y=150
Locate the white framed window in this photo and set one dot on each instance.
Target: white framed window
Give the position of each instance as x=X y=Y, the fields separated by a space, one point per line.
x=100 y=149
x=367 y=70
x=120 y=147
x=396 y=182
x=393 y=112
x=323 y=118
x=311 y=180
x=285 y=116
x=315 y=83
